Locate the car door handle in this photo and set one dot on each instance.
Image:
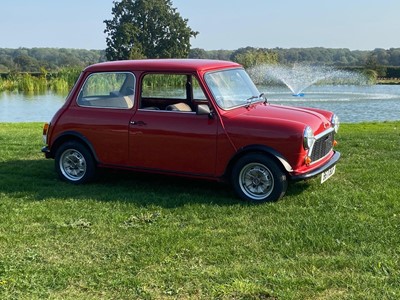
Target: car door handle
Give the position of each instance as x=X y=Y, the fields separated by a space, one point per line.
x=137 y=123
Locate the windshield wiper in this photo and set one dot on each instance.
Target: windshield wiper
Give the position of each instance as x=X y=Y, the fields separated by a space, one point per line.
x=262 y=95
x=250 y=100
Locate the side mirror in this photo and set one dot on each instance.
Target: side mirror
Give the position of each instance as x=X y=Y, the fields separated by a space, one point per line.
x=204 y=109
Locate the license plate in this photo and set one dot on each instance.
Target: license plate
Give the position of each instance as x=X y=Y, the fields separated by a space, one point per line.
x=327 y=174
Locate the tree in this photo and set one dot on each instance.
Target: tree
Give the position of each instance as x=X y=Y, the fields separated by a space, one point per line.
x=373 y=64
x=147 y=29
x=198 y=53
x=26 y=63
x=250 y=57
x=395 y=56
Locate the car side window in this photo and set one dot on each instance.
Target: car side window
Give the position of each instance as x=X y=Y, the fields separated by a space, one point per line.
x=171 y=92
x=108 y=90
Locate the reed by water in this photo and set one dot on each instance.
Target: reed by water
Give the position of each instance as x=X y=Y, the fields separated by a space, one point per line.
x=61 y=81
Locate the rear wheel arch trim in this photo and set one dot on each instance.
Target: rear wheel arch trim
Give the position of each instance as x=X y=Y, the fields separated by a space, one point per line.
x=72 y=136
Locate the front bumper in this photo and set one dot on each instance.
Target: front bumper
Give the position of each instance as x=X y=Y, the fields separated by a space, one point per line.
x=334 y=159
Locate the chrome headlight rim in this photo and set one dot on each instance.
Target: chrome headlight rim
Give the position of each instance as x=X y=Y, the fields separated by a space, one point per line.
x=335 y=122
x=308 y=138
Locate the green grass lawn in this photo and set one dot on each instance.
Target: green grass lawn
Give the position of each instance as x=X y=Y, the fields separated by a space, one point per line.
x=136 y=236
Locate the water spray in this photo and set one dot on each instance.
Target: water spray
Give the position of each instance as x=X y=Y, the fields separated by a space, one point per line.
x=298 y=77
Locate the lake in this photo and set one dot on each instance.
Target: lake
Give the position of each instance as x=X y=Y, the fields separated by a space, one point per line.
x=352 y=103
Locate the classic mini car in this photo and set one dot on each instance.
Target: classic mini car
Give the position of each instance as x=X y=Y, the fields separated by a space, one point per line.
x=188 y=117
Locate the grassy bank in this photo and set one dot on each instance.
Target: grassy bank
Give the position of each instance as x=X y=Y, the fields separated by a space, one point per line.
x=134 y=236
x=388 y=81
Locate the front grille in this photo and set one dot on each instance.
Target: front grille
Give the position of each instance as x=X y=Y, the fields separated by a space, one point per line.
x=322 y=146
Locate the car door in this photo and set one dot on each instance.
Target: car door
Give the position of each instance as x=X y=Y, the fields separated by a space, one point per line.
x=166 y=134
x=102 y=113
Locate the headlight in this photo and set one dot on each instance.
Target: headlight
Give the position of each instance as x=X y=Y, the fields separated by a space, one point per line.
x=308 y=138
x=335 y=122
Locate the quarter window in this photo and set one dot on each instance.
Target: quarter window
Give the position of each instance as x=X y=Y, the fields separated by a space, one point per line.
x=108 y=90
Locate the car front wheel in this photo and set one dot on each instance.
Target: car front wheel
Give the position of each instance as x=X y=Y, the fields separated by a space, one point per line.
x=74 y=163
x=257 y=178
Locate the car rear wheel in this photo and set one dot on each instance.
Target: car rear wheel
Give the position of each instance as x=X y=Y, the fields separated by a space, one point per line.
x=257 y=178
x=74 y=163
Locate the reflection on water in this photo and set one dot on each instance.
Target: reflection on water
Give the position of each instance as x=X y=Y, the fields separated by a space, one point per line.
x=351 y=103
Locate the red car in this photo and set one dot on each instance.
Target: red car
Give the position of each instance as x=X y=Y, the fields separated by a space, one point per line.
x=188 y=117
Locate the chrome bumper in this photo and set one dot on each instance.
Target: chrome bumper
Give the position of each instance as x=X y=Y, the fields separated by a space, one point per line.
x=334 y=159
x=46 y=152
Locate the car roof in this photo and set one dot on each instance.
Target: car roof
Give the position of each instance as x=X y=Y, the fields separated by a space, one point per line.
x=182 y=65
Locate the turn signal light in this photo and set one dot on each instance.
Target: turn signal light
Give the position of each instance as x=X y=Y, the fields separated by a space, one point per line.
x=45 y=130
x=307 y=160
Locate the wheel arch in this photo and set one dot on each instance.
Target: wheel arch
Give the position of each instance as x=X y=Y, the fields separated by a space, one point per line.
x=72 y=136
x=265 y=150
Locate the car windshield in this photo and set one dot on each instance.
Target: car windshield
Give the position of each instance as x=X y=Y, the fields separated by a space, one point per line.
x=232 y=88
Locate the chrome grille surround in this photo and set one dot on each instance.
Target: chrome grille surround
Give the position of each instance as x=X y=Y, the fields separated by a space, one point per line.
x=322 y=146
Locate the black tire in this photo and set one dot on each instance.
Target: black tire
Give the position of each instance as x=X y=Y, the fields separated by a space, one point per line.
x=74 y=163
x=258 y=178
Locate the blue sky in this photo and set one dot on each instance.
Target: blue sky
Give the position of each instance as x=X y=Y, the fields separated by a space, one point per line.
x=223 y=24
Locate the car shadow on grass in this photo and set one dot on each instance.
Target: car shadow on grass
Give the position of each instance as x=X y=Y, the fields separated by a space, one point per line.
x=37 y=180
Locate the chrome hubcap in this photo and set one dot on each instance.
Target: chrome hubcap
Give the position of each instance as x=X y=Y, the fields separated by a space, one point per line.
x=73 y=165
x=256 y=181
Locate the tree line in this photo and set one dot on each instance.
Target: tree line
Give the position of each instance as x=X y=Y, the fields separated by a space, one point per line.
x=53 y=59
x=386 y=63
x=318 y=55
x=33 y=60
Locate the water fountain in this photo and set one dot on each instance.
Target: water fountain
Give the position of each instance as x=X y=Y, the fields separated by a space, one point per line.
x=299 y=77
